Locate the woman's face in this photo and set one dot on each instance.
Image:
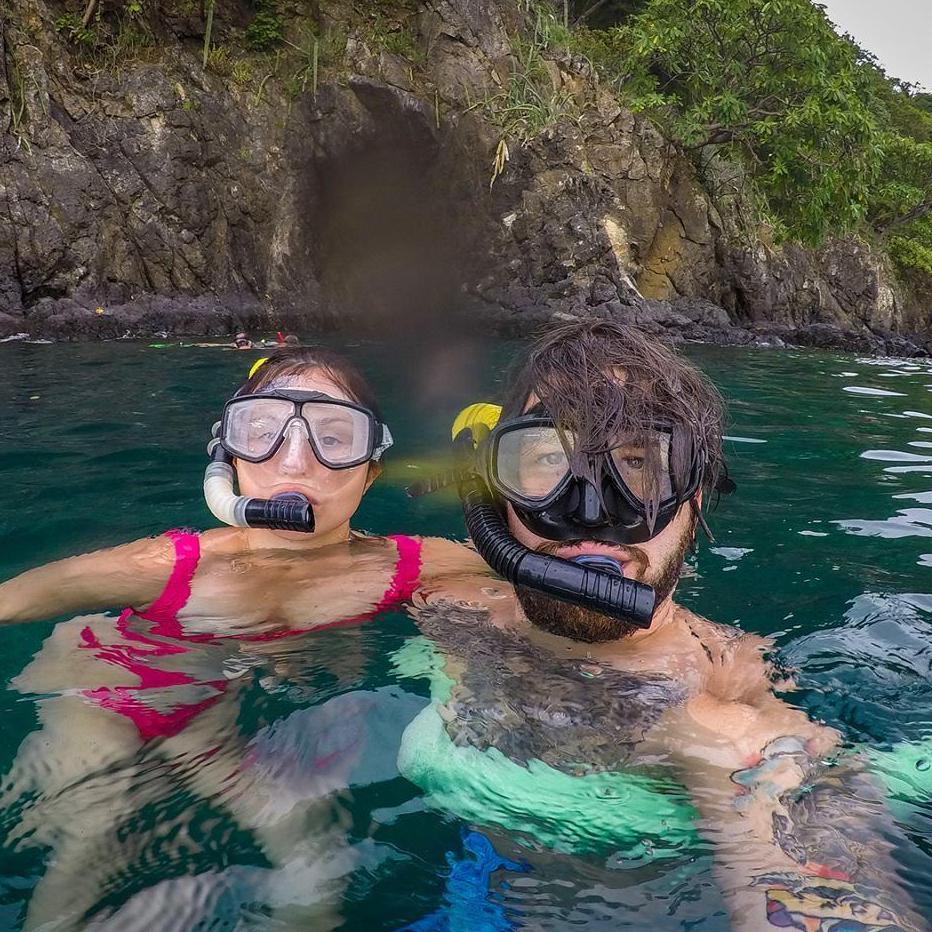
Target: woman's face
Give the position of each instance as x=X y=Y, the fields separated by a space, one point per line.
x=334 y=494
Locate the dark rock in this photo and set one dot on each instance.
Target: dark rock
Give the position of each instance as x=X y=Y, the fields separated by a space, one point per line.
x=10 y=325
x=157 y=186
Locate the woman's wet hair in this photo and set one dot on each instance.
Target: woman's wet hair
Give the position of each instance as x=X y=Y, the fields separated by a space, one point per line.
x=606 y=382
x=290 y=362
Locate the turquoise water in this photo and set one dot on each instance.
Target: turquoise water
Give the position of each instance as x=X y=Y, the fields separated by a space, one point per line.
x=827 y=545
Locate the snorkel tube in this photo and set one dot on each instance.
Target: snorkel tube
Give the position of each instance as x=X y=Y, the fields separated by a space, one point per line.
x=291 y=513
x=605 y=592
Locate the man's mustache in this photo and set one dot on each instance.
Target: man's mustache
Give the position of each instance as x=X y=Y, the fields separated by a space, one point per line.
x=625 y=553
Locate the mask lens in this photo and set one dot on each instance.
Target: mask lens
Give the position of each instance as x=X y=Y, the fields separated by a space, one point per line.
x=254 y=425
x=644 y=467
x=530 y=462
x=342 y=436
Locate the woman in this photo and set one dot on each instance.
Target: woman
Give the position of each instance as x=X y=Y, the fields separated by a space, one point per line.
x=303 y=430
x=187 y=581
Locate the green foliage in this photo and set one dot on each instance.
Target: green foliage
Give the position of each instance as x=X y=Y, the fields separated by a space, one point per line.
x=309 y=56
x=770 y=82
x=266 y=29
x=391 y=30
x=905 y=185
x=18 y=114
x=911 y=248
x=69 y=25
x=242 y=71
x=220 y=60
x=606 y=51
x=122 y=35
x=530 y=103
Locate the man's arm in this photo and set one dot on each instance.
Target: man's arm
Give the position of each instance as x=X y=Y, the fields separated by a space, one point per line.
x=743 y=764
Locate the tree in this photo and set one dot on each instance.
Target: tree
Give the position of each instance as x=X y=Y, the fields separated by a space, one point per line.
x=773 y=84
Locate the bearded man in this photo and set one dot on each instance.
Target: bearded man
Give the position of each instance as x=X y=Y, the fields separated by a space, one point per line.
x=607 y=447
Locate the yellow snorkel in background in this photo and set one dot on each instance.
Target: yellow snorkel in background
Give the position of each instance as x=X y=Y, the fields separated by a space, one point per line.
x=478 y=419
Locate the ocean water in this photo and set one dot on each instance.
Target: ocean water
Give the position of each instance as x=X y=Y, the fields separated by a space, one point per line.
x=826 y=545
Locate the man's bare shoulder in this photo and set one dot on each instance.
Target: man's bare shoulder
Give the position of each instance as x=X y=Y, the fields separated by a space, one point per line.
x=739 y=665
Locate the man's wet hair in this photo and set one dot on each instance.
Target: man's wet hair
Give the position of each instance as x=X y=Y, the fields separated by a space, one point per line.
x=604 y=381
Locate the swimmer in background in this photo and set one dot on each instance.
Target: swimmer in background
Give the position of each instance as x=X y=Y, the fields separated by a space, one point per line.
x=304 y=432
x=242 y=342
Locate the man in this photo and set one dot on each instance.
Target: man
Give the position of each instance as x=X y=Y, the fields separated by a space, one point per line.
x=607 y=447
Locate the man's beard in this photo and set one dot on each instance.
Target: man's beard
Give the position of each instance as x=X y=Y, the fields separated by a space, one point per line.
x=584 y=624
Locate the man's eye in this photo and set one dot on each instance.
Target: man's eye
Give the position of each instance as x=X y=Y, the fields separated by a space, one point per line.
x=551 y=459
x=634 y=462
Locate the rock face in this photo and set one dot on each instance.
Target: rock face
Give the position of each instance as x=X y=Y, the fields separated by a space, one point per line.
x=161 y=196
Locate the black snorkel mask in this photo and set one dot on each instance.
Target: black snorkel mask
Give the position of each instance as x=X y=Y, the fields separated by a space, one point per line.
x=593 y=582
x=625 y=495
x=526 y=462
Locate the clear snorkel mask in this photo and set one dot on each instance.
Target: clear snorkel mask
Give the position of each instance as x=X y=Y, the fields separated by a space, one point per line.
x=253 y=428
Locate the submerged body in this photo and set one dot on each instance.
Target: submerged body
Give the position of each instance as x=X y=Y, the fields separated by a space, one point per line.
x=679 y=743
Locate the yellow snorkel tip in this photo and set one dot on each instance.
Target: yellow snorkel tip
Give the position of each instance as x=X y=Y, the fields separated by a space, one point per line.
x=478 y=419
x=256 y=366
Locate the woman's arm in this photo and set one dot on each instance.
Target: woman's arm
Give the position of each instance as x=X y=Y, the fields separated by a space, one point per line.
x=441 y=557
x=131 y=574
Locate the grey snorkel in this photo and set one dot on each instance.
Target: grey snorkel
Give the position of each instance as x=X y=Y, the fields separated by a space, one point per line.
x=291 y=513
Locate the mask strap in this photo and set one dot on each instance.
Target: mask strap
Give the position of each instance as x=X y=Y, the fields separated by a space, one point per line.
x=700 y=519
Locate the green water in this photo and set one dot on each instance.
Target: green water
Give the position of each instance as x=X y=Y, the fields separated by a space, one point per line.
x=827 y=545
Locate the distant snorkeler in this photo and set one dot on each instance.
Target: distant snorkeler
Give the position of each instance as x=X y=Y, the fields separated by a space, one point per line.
x=297 y=447
x=242 y=342
x=594 y=474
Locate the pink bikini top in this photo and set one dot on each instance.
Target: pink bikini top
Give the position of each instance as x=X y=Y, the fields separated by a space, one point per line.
x=164 y=610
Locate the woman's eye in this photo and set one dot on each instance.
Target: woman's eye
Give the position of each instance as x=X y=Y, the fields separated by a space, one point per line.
x=262 y=431
x=333 y=441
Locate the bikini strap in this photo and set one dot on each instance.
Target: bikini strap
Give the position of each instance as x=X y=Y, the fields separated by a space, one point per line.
x=164 y=610
x=407 y=571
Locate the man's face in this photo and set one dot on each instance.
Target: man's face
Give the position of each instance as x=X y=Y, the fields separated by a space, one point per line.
x=657 y=562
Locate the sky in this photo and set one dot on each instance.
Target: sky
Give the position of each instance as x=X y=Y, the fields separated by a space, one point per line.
x=898 y=32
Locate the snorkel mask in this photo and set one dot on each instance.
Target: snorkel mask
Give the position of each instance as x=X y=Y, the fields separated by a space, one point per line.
x=592 y=582
x=253 y=428
x=623 y=495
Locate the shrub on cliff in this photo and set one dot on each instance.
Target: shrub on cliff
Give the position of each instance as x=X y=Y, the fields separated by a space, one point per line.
x=827 y=140
x=772 y=82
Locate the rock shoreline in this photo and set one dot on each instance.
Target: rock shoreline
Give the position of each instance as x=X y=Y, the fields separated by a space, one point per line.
x=682 y=320
x=163 y=197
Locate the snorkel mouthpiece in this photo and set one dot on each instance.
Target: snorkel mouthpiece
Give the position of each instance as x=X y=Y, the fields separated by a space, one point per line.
x=605 y=592
x=606 y=564
x=290 y=512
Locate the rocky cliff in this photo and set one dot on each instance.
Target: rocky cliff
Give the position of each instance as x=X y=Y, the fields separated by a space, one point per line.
x=143 y=192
